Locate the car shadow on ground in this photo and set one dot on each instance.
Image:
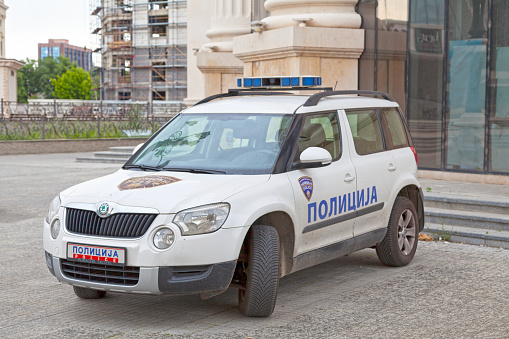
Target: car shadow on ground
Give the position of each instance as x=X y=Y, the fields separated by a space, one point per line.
x=170 y=311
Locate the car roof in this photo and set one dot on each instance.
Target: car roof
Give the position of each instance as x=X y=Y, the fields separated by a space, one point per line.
x=286 y=104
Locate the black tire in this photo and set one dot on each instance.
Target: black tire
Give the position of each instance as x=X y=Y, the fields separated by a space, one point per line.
x=260 y=272
x=88 y=293
x=400 y=243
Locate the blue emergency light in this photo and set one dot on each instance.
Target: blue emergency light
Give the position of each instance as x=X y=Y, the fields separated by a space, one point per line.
x=279 y=82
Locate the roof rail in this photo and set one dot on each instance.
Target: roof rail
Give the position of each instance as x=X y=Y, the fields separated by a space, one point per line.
x=261 y=91
x=315 y=98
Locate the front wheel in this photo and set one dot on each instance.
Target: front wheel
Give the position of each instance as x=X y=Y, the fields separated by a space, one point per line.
x=400 y=242
x=88 y=293
x=259 y=272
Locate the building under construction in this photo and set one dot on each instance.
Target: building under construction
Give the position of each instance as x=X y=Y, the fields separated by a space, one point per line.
x=143 y=49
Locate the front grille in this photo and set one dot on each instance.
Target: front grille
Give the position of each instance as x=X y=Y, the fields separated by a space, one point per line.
x=121 y=225
x=127 y=275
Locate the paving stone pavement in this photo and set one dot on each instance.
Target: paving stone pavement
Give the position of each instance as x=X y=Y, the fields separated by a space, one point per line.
x=449 y=290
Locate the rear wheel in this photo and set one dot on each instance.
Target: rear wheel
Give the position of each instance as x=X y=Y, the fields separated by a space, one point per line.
x=88 y=293
x=400 y=243
x=259 y=272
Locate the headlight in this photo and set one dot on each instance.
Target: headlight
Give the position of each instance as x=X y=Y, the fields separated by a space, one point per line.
x=204 y=219
x=164 y=238
x=55 y=228
x=53 y=209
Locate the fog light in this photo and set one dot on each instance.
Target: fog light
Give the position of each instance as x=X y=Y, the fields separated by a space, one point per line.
x=55 y=228
x=164 y=238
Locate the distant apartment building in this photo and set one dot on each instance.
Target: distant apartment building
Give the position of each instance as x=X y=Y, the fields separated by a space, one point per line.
x=143 y=48
x=57 y=47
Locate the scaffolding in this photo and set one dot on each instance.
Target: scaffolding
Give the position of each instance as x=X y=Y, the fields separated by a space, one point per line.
x=143 y=49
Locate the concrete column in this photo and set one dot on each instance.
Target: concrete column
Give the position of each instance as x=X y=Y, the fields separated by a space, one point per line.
x=306 y=37
x=230 y=18
x=322 y=13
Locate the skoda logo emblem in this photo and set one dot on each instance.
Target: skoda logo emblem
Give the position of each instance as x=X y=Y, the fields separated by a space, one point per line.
x=103 y=209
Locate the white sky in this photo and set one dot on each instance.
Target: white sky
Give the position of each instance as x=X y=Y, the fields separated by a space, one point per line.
x=29 y=22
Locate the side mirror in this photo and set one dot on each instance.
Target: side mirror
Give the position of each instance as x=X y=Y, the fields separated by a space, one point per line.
x=137 y=148
x=313 y=157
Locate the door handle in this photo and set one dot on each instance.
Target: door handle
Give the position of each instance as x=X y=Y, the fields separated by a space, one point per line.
x=391 y=168
x=349 y=178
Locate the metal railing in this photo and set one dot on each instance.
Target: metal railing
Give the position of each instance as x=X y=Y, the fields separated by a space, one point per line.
x=80 y=119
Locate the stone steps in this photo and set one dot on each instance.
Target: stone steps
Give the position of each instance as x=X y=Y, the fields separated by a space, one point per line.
x=473 y=221
x=117 y=155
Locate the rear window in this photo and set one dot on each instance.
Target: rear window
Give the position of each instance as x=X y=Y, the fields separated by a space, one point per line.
x=366 y=132
x=396 y=127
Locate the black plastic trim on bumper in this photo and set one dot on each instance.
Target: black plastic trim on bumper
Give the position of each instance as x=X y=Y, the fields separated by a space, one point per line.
x=196 y=279
x=49 y=262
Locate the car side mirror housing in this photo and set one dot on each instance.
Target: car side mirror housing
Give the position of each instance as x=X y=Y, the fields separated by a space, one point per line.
x=313 y=157
x=137 y=148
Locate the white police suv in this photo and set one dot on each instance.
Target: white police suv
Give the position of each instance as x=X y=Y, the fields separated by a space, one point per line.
x=241 y=189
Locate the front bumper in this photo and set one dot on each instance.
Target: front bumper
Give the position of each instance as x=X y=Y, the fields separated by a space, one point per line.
x=150 y=280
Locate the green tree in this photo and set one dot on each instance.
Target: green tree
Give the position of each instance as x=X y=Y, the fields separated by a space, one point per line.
x=73 y=84
x=50 y=69
x=26 y=80
x=22 y=92
x=34 y=79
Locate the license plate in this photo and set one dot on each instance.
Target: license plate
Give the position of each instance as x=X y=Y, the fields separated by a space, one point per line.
x=96 y=254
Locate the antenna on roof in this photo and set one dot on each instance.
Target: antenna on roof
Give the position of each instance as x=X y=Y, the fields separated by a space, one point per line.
x=335 y=85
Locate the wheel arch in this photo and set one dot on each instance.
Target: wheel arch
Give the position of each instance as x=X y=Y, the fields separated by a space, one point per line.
x=414 y=193
x=284 y=226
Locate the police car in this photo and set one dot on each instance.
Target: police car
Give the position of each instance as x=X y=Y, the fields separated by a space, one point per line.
x=242 y=189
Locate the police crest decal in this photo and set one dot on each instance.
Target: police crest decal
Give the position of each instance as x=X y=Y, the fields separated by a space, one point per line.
x=306 y=183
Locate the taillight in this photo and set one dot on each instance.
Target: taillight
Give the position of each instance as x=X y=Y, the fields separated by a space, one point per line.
x=415 y=155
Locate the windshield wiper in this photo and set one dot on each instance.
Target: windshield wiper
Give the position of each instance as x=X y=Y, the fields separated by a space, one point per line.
x=193 y=170
x=143 y=167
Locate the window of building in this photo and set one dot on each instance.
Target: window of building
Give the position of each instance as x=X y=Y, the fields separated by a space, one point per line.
x=157 y=4
x=425 y=69
x=158 y=25
x=124 y=95
x=158 y=95
x=44 y=52
x=366 y=132
x=56 y=52
x=499 y=103
x=466 y=85
x=158 y=71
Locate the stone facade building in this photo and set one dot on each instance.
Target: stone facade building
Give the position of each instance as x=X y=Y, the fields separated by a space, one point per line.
x=444 y=61
x=8 y=67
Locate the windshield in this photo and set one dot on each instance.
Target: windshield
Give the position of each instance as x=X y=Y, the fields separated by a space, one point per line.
x=216 y=143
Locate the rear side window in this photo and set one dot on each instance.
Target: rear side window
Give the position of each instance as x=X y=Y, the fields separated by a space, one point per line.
x=366 y=132
x=396 y=128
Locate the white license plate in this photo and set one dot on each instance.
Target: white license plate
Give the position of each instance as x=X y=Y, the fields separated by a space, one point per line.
x=96 y=254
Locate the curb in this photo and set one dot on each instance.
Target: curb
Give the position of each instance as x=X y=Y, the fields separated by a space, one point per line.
x=472 y=238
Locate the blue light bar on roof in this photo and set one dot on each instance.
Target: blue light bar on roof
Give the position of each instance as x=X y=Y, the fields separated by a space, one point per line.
x=278 y=82
x=248 y=82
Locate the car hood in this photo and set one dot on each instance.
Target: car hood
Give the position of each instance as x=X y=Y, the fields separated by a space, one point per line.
x=168 y=192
